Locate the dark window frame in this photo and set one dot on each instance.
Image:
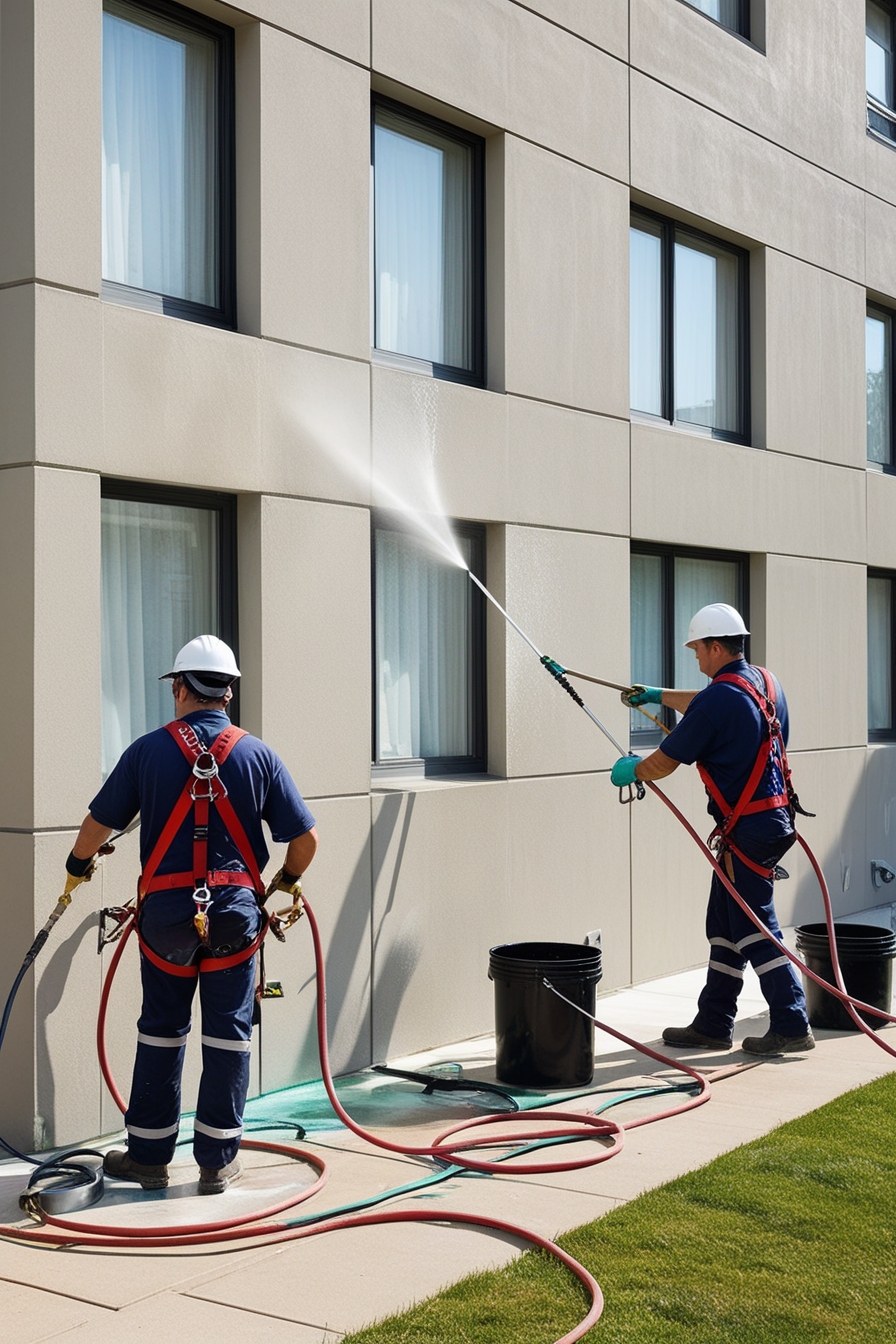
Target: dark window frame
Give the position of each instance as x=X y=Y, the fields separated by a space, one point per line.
x=742 y=26
x=880 y=311
x=650 y=736
x=475 y=376
x=880 y=118
x=226 y=507
x=425 y=766
x=888 y=734
x=669 y=229
x=224 y=313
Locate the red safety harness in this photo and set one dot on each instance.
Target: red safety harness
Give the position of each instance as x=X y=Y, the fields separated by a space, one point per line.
x=772 y=751
x=203 y=789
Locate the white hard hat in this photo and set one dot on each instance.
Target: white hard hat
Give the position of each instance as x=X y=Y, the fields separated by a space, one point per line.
x=205 y=654
x=717 y=621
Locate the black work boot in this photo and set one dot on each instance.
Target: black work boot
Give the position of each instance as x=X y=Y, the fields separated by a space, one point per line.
x=119 y=1163
x=215 y=1180
x=690 y=1037
x=773 y=1043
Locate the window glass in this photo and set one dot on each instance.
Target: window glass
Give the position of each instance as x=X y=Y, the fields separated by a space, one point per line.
x=880 y=654
x=697 y=582
x=427 y=658
x=646 y=329
x=160 y=155
x=878 y=384
x=879 y=52
x=729 y=13
x=706 y=335
x=423 y=241
x=688 y=323
x=160 y=588
x=667 y=588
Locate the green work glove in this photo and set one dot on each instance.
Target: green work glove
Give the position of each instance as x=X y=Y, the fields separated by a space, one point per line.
x=642 y=695
x=623 y=771
x=78 y=871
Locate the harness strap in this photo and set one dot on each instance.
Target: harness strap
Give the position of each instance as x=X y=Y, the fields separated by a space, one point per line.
x=208 y=963
x=220 y=878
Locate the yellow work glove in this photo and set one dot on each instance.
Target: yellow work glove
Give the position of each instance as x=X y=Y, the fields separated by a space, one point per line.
x=284 y=919
x=78 y=871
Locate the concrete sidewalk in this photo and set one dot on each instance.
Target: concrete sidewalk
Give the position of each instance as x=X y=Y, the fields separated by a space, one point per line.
x=314 y=1290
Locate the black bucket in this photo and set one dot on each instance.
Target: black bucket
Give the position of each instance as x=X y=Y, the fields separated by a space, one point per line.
x=866 y=953
x=542 y=1041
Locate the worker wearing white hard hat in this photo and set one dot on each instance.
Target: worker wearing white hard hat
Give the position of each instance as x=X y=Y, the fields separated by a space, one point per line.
x=735 y=731
x=202 y=787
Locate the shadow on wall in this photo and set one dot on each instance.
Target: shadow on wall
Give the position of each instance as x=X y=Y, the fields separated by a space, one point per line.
x=844 y=845
x=55 y=991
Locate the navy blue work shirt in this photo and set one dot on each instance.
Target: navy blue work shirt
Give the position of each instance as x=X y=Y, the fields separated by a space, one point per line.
x=149 y=778
x=723 y=729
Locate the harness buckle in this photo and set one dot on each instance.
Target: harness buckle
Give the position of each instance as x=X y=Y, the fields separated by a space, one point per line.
x=211 y=793
x=202 y=899
x=205 y=766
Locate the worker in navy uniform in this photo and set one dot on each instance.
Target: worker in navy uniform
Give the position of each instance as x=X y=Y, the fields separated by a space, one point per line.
x=728 y=729
x=199 y=917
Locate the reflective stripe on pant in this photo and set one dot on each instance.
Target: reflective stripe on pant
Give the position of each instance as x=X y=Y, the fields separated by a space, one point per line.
x=227 y=1000
x=734 y=940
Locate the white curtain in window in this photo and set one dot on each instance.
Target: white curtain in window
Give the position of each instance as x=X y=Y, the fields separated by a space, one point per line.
x=877 y=387
x=159 y=589
x=697 y=582
x=646 y=628
x=423 y=239
x=646 y=318
x=880 y=654
x=422 y=651
x=707 y=378
x=159 y=155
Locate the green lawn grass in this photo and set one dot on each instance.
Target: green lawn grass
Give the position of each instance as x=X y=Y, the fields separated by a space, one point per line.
x=787 y=1240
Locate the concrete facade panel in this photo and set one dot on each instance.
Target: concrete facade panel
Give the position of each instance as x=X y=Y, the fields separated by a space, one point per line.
x=17 y=621
x=880 y=493
x=314 y=433
x=670 y=879
x=879 y=813
x=180 y=401
x=569 y=592
x=302 y=562
x=67 y=617
x=17 y=166
x=342 y=28
x=68 y=391
x=567 y=469
x=606 y=25
x=833 y=785
x=745 y=184
x=566 y=329
x=805 y=91
x=338 y=886
x=67 y=142
x=809 y=508
x=815 y=394
x=17 y=1073
x=17 y=374
x=880 y=244
x=820 y=665
x=315 y=174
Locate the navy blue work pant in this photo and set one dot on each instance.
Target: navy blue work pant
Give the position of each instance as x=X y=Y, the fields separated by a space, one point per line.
x=227 y=999
x=734 y=940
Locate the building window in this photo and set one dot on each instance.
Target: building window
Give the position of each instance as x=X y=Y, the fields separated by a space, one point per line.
x=429 y=654
x=428 y=237
x=879 y=83
x=168 y=574
x=879 y=386
x=689 y=328
x=881 y=653
x=731 y=14
x=168 y=197
x=667 y=586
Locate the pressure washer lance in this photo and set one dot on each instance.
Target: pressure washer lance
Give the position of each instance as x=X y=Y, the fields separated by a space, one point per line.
x=633 y=791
